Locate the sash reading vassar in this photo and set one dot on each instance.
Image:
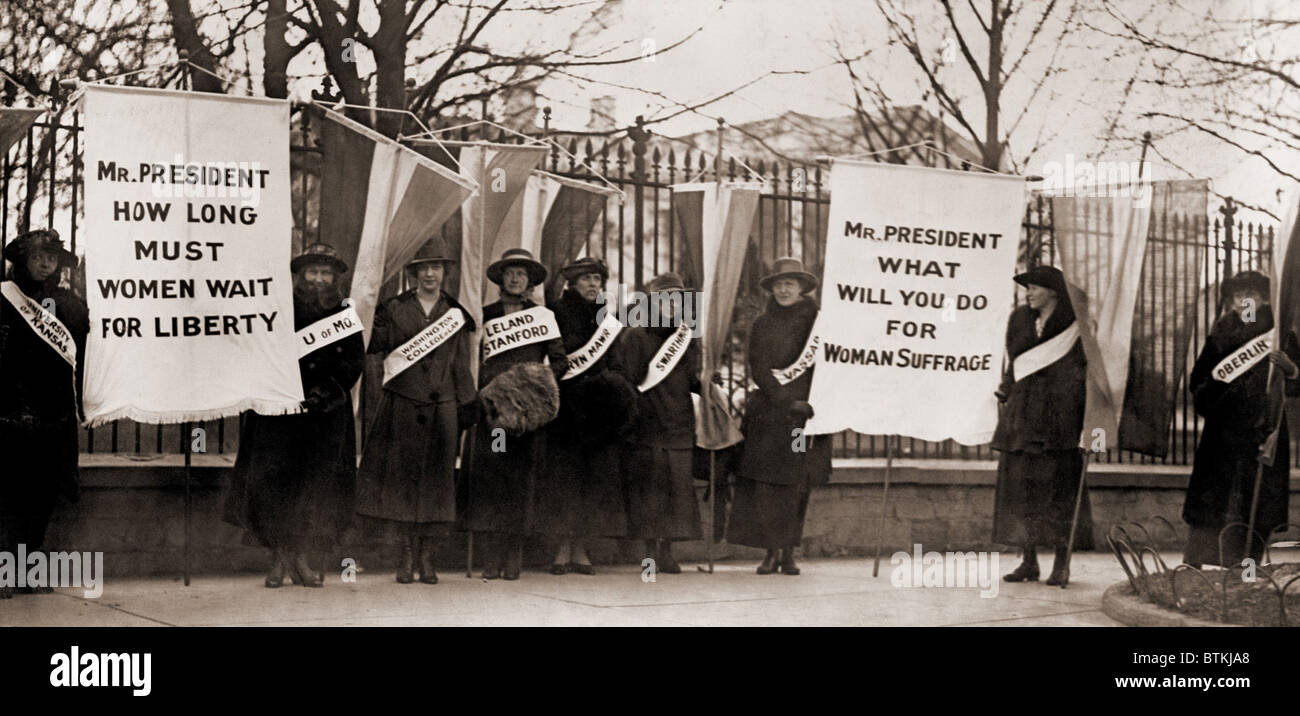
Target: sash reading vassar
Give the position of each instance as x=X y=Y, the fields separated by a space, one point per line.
x=517 y=329
x=806 y=358
x=423 y=343
x=666 y=358
x=333 y=327
x=45 y=324
x=1244 y=358
x=600 y=341
x=1046 y=353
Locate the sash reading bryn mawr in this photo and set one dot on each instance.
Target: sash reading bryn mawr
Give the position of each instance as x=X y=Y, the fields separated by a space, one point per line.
x=1046 y=353
x=1244 y=358
x=423 y=343
x=517 y=329
x=45 y=324
x=600 y=341
x=806 y=358
x=667 y=357
x=327 y=330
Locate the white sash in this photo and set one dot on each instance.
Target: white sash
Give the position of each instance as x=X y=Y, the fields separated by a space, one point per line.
x=423 y=343
x=518 y=329
x=595 y=347
x=806 y=358
x=333 y=327
x=667 y=357
x=1045 y=354
x=1244 y=358
x=45 y=324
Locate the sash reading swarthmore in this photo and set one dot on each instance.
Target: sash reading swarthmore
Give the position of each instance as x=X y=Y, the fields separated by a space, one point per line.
x=667 y=357
x=423 y=343
x=518 y=329
x=1244 y=358
x=806 y=358
x=600 y=341
x=328 y=330
x=45 y=324
x=1045 y=354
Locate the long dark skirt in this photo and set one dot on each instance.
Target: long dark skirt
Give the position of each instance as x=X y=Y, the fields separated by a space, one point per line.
x=502 y=483
x=294 y=482
x=1225 y=498
x=767 y=515
x=408 y=469
x=579 y=493
x=40 y=465
x=1034 y=503
x=660 y=488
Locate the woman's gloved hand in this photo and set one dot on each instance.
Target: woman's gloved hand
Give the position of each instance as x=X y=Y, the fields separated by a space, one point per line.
x=801 y=409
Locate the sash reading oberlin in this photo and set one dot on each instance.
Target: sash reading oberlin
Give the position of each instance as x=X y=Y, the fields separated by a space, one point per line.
x=667 y=357
x=45 y=324
x=518 y=329
x=423 y=343
x=591 y=351
x=1244 y=358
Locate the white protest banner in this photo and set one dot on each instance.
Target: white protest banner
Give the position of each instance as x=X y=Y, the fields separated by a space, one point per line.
x=187 y=266
x=915 y=296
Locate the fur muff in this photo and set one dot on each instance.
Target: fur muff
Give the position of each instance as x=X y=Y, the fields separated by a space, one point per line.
x=522 y=399
x=596 y=408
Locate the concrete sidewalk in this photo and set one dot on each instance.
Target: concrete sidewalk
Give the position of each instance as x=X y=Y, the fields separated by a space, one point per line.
x=830 y=592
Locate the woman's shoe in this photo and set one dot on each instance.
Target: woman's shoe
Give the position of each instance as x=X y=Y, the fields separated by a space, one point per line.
x=559 y=569
x=275 y=577
x=1059 y=577
x=769 y=563
x=301 y=573
x=510 y=575
x=428 y=574
x=666 y=563
x=406 y=563
x=1026 y=572
x=577 y=568
x=787 y=562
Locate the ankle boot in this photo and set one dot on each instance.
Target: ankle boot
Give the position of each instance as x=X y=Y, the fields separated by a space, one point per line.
x=300 y=572
x=1028 y=569
x=406 y=562
x=1060 y=570
x=428 y=551
x=275 y=576
x=769 y=563
x=666 y=563
x=787 y=562
x=514 y=557
x=492 y=557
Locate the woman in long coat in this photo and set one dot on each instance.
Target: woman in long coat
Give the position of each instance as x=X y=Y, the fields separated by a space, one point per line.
x=295 y=479
x=1223 y=475
x=518 y=396
x=658 y=447
x=775 y=479
x=579 y=493
x=1038 y=431
x=407 y=480
x=40 y=396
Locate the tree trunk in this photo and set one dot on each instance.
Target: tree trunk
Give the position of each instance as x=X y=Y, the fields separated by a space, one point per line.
x=992 y=148
x=390 y=65
x=185 y=32
x=275 y=51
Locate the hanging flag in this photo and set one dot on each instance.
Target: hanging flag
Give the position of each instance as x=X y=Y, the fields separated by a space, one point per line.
x=1286 y=312
x=380 y=202
x=191 y=305
x=1101 y=242
x=14 y=123
x=714 y=222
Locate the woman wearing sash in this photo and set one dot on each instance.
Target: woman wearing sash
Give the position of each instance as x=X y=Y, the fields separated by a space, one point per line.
x=579 y=494
x=295 y=479
x=1043 y=394
x=407 y=480
x=658 y=447
x=518 y=396
x=775 y=477
x=40 y=396
x=1229 y=387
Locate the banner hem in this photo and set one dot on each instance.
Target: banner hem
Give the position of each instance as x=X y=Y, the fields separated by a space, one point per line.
x=172 y=417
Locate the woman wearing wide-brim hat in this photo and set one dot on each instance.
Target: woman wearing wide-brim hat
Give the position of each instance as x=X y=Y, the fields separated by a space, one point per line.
x=39 y=396
x=294 y=484
x=407 y=481
x=517 y=397
x=774 y=481
x=1037 y=437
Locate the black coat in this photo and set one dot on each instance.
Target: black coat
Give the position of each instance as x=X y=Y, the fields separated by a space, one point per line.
x=1223 y=475
x=775 y=341
x=1044 y=411
x=665 y=414
x=294 y=482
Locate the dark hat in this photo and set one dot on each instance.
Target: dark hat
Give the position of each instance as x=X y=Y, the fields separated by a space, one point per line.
x=1245 y=281
x=789 y=267
x=319 y=254
x=40 y=239
x=670 y=281
x=431 y=252
x=585 y=265
x=1045 y=276
x=517 y=257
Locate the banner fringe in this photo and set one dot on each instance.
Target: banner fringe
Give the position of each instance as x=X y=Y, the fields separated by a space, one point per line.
x=173 y=417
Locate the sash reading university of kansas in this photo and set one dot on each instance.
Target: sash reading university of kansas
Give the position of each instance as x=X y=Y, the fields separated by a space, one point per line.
x=518 y=329
x=806 y=358
x=1244 y=358
x=45 y=324
x=327 y=330
x=423 y=343
x=1046 y=353
x=595 y=347
x=667 y=357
